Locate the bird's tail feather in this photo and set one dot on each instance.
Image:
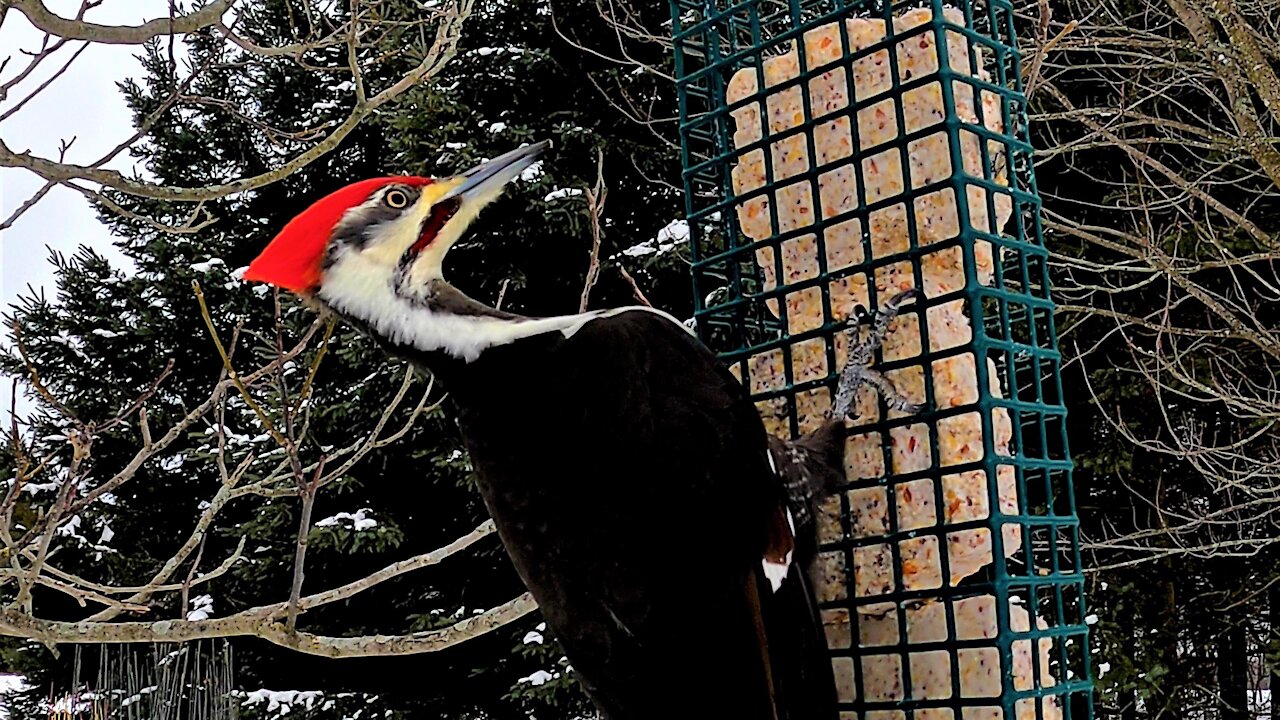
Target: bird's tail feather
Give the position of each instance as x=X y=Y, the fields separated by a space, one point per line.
x=802 y=680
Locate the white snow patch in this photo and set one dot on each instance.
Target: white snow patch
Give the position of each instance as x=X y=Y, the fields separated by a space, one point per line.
x=201 y=608
x=283 y=701
x=360 y=520
x=105 y=333
x=207 y=265
x=533 y=172
x=533 y=637
x=675 y=231
x=497 y=127
x=1091 y=619
x=13 y=683
x=70 y=527
x=640 y=249
x=231 y=435
x=560 y=193
x=675 y=234
x=487 y=51
x=1103 y=669
x=10 y=685
x=541 y=677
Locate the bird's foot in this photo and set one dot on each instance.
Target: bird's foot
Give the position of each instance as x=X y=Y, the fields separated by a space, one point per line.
x=857 y=371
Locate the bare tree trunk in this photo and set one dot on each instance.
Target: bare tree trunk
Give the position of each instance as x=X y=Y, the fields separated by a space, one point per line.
x=1233 y=692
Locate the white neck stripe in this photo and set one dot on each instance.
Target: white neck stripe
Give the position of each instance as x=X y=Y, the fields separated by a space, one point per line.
x=369 y=297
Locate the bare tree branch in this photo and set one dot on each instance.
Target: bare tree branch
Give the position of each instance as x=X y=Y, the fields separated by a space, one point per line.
x=44 y=19
x=595 y=208
x=14 y=624
x=448 y=20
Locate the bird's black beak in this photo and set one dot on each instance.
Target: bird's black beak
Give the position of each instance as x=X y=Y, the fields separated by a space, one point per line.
x=487 y=178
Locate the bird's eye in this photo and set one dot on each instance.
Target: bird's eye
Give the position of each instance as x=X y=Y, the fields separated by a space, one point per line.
x=396 y=199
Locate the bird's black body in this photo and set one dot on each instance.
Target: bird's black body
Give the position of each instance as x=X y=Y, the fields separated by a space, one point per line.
x=626 y=469
x=627 y=473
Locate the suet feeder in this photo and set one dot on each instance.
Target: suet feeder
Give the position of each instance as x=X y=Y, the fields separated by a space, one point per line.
x=837 y=153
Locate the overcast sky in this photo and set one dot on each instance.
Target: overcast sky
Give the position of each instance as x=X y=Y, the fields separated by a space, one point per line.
x=83 y=104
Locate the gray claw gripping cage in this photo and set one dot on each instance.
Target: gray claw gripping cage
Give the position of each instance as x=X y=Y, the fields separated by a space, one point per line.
x=837 y=153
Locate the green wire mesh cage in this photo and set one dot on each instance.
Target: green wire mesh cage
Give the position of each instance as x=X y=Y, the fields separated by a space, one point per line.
x=838 y=153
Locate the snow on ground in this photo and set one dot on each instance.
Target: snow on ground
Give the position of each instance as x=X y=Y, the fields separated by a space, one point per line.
x=9 y=685
x=282 y=701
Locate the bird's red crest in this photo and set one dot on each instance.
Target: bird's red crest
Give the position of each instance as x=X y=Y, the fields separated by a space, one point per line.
x=293 y=259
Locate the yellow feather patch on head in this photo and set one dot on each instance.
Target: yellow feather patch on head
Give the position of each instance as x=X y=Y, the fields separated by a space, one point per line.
x=432 y=193
x=429 y=264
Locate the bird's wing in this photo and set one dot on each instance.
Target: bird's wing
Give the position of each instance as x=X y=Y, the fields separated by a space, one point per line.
x=698 y=411
x=810 y=469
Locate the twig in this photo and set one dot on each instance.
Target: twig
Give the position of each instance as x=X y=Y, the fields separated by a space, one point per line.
x=308 y=493
x=146 y=453
x=502 y=293
x=34 y=376
x=595 y=207
x=1037 y=65
x=315 y=364
x=186 y=582
x=48 y=81
x=231 y=371
x=635 y=287
x=147 y=591
x=138 y=404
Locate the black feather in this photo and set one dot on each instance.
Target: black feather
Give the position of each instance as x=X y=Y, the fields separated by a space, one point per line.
x=627 y=472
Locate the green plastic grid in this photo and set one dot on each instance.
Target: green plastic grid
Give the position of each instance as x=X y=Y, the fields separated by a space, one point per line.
x=1012 y=321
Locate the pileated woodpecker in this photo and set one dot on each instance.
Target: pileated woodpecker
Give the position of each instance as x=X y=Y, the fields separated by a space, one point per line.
x=627 y=471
